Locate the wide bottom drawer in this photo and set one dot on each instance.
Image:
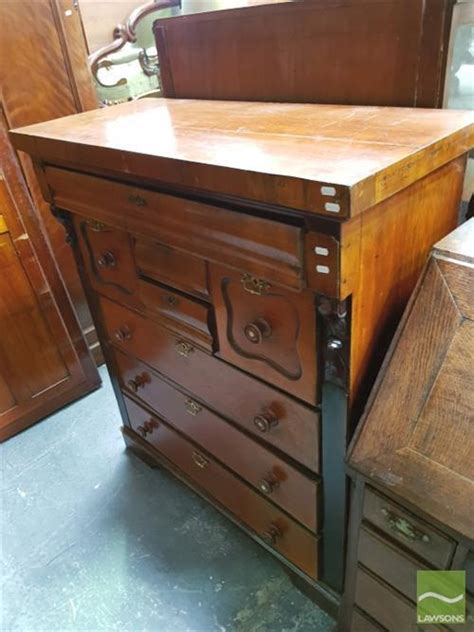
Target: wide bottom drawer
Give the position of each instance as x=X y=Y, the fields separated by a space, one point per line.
x=284 y=484
x=287 y=537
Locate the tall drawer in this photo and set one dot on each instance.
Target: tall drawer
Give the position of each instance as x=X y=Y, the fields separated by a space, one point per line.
x=260 y=409
x=266 y=330
x=289 y=538
x=283 y=484
x=413 y=533
x=108 y=258
x=246 y=242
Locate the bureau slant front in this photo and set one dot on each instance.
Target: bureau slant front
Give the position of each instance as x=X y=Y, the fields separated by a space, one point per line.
x=246 y=265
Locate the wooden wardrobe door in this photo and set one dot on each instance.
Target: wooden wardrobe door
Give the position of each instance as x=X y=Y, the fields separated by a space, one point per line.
x=44 y=360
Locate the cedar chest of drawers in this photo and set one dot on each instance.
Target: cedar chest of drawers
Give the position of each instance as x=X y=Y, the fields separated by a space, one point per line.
x=246 y=264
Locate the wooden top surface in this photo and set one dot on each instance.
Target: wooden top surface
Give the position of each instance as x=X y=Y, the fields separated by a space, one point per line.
x=416 y=438
x=368 y=153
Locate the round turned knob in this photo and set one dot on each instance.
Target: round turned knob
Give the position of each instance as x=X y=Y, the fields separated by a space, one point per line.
x=106 y=260
x=267 y=486
x=271 y=535
x=256 y=331
x=123 y=333
x=265 y=422
x=136 y=383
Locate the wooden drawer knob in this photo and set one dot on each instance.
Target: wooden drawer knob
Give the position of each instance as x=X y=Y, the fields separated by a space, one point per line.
x=256 y=331
x=106 y=260
x=271 y=535
x=147 y=427
x=267 y=485
x=265 y=422
x=123 y=333
x=138 y=382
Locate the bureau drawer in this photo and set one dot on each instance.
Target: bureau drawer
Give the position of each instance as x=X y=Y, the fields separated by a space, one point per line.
x=242 y=241
x=389 y=562
x=172 y=267
x=387 y=607
x=260 y=409
x=283 y=484
x=266 y=330
x=413 y=533
x=287 y=537
x=108 y=257
x=179 y=313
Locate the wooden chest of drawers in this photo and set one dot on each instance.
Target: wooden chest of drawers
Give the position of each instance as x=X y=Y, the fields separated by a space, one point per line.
x=246 y=265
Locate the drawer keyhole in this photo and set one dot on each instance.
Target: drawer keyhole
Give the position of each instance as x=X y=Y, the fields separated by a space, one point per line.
x=256 y=331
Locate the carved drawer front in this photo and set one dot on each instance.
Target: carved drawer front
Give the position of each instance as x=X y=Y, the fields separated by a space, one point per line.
x=108 y=257
x=414 y=534
x=260 y=409
x=282 y=483
x=266 y=330
x=255 y=244
x=275 y=527
x=172 y=267
x=178 y=312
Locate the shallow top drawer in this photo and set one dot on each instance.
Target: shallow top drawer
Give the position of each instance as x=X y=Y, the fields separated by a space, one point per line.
x=264 y=247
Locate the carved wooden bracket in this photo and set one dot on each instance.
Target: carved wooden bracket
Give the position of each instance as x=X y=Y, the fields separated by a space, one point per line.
x=124 y=33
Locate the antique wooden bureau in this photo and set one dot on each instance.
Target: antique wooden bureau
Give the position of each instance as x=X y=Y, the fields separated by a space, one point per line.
x=411 y=459
x=246 y=265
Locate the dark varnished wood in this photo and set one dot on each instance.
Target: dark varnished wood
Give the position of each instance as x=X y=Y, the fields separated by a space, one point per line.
x=390 y=52
x=266 y=330
x=227 y=390
x=279 y=481
x=274 y=153
x=276 y=528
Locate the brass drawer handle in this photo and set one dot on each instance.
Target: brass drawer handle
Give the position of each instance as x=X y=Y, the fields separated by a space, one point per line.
x=183 y=348
x=106 y=260
x=139 y=381
x=200 y=460
x=171 y=300
x=95 y=226
x=256 y=331
x=271 y=535
x=138 y=200
x=123 y=333
x=192 y=407
x=253 y=285
x=147 y=428
x=403 y=527
x=265 y=421
x=267 y=485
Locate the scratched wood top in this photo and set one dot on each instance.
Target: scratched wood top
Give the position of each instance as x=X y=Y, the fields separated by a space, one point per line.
x=272 y=152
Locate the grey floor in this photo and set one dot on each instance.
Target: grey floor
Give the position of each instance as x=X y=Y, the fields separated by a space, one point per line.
x=93 y=539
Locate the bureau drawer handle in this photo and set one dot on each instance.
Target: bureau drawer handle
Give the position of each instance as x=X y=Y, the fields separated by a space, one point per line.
x=256 y=331
x=267 y=486
x=147 y=428
x=138 y=200
x=200 y=460
x=95 y=226
x=271 y=535
x=123 y=333
x=106 y=260
x=138 y=382
x=403 y=527
x=253 y=285
x=183 y=348
x=265 y=422
x=171 y=300
x=192 y=407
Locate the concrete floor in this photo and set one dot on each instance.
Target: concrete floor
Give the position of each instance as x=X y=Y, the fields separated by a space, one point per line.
x=93 y=539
